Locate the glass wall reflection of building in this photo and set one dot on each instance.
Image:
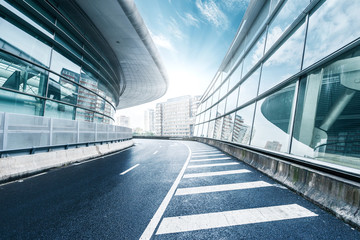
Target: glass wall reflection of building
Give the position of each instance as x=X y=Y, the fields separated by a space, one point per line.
x=62 y=59
x=290 y=82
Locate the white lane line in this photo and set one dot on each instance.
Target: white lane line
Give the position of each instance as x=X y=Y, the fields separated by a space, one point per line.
x=211 y=159
x=232 y=218
x=209 y=155
x=199 y=153
x=202 y=151
x=213 y=165
x=155 y=152
x=150 y=229
x=222 y=187
x=218 y=173
x=123 y=173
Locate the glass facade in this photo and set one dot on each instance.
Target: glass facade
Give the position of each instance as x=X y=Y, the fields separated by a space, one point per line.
x=296 y=82
x=47 y=67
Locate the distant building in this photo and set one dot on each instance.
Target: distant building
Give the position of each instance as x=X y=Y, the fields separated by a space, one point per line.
x=149 y=120
x=123 y=121
x=176 y=116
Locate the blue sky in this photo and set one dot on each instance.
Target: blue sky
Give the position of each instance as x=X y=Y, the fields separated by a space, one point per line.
x=192 y=37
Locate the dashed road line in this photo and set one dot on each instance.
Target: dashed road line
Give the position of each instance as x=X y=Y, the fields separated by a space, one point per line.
x=217 y=173
x=213 y=165
x=222 y=187
x=209 y=155
x=123 y=173
x=155 y=152
x=211 y=159
x=232 y=218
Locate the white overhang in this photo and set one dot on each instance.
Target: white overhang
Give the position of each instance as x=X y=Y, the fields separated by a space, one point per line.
x=126 y=33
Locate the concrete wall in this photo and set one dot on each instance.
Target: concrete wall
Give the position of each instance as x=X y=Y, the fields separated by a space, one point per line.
x=335 y=194
x=18 y=166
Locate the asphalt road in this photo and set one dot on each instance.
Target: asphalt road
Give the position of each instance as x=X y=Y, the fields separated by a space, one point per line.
x=161 y=189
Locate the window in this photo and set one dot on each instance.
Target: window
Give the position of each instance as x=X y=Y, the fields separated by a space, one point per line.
x=328 y=113
x=272 y=120
x=242 y=125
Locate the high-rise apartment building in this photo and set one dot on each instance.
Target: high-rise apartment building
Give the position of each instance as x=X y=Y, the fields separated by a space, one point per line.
x=123 y=121
x=176 y=116
x=149 y=120
x=289 y=83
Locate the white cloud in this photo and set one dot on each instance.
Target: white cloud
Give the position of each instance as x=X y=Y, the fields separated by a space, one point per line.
x=235 y=4
x=189 y=20
x=174 y=29
x=212 y=13
x=162 y=42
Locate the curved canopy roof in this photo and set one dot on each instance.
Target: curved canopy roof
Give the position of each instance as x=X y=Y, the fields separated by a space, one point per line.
x=123 y=28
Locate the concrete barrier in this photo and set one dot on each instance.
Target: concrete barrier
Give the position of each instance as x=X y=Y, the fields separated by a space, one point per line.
x=19 y=166
x=335 y=194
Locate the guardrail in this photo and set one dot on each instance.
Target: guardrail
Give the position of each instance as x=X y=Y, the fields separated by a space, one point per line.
x=20 y=132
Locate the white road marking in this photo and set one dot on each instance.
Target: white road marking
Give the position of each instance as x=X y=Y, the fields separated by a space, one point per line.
x=218 y=173
x=202 y=151
x=210 y=159
x=123 y=173
x=199 y=153
x=232 y=218
x=155 y=152
x=213 y=165
x=160 y=212
x=208 y=155
x=222 y=187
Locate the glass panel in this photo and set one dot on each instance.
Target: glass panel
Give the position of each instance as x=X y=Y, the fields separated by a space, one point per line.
x=235 y=76
x=64 y=66
x=249 y=88
x=21 y=76
x=289 y=11
x=284 y=62
x=84 y=115
x=59 y=110
x=227 y=127
x=332 y=25
x=221 y=107
x=213 y=112
x=19 y=103
x=37 y=25
x=272 y=120
x=18 y=42
x=232 y=100
x=205 y=130
x=328 y=113
x=242 y=125
x=217 y=128
x=61 y=89
x=254 y=55
x=224 y=89
x=211 y=128
x=64 y=131
x=259 y=21
x=207 y=115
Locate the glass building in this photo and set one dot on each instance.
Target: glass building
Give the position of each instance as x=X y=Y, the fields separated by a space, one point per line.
x=290 y=83
x=76 y=59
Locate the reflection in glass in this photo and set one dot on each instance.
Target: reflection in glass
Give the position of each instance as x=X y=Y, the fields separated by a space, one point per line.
x=224 y=89
x=235 y=76
x=289 y=11
x=211 y=128
x=217 y=128
x=284 y=62
x=213 y=111
x=221 y=107
x=205 y=130
x=242 y=125
x=61 y=89
x=249 y=88
x=20 y=43
x=232 y=100
x=332 y=25
x=254 y=55
x=328 y=113
x=227 y=127
x=59 y=110
x=64 y=66
x=19 y=103
x=21 y=76
x=272 y=120
x=84 y=115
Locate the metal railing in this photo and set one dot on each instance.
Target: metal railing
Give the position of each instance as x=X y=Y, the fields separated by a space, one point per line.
x=25 y=132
